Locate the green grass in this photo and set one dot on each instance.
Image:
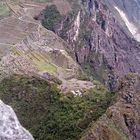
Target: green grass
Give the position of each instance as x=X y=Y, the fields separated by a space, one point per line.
x=4 y=10
x=49 y=115
x=39 y=60
x=42 y=63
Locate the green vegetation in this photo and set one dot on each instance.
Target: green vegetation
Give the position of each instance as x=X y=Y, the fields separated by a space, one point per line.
x=38 y=59
x=4 y=10
x=51 y=17
x=43 y=64
x=49 y=115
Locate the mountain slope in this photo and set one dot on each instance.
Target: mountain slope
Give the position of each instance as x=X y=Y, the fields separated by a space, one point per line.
x=121 y=120
x=33 y=49
x=28 y=48
x=129 y=13
x=53 y=92
x=101 y=44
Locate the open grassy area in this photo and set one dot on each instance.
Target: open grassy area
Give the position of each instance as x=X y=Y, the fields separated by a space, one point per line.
x=38 y=60
x=42 y=63
x=4 y=10
x=43 y=66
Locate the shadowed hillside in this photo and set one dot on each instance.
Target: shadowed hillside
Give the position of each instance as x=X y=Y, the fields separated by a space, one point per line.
x=49 y=114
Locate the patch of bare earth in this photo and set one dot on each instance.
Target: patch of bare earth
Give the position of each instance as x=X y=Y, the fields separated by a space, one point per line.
x=75 y=85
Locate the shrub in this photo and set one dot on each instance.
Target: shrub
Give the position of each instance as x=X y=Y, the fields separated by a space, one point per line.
x=51 y=17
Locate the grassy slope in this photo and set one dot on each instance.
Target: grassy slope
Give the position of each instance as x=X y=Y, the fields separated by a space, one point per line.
x=48 y=114
x=4 y=10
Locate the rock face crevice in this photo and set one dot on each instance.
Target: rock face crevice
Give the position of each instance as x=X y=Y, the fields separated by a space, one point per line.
x=10 y=128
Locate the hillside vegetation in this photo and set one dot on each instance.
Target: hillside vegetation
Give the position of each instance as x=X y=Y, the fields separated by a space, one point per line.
x=49 y=115
x=4 y=10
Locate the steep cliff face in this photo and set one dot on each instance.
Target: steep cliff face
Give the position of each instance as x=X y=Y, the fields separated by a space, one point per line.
x=100 y=43
x=128 y=12
x=10 y=128
x=121 y=120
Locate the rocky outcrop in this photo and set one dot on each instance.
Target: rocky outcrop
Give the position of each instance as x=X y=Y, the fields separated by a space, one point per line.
x=10 y=128
x=128 y=13
x=121 y=120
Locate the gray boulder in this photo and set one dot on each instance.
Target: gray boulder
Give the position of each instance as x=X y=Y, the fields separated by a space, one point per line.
x=10 y=127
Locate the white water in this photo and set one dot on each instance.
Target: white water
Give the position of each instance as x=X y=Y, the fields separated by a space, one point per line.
x=77 y=26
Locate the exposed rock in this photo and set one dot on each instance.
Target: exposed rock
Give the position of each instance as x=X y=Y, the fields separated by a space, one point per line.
x=10 y=128
x=121 y=120
x=100 y=42
x=123 y=9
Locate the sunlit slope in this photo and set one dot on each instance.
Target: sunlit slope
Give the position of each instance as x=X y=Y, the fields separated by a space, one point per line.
x=29 y=48
x=26 y=47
